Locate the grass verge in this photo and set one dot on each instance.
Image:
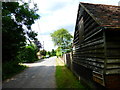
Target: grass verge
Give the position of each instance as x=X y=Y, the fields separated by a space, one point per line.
x=65 y=78
x=10 y=69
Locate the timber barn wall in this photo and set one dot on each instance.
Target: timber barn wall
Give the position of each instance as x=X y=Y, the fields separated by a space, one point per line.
x=96 y=58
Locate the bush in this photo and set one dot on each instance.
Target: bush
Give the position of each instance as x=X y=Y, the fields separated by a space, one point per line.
x=43 y=57
x=28 y=54
x=11 y=68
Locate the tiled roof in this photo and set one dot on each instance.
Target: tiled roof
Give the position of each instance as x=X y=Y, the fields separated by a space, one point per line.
x=105 y=15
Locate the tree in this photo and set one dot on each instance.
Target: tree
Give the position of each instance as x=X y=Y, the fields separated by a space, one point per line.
x=14 y=17
x=58 y=52
x=49 y=53
x=43 y=52
x=32 y=35
x=53 y=52
x=38 y=44
x=28 y=54
x=63 y=39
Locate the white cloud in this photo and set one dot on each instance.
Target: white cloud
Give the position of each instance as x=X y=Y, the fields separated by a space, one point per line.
x=47 y=40
x=56 y=14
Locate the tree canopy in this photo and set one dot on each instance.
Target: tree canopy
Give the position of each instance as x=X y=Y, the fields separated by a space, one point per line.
x=63 y=39
x=53 y=52
x=14 y=18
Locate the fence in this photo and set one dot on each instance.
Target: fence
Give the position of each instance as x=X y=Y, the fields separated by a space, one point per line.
x=67 y=59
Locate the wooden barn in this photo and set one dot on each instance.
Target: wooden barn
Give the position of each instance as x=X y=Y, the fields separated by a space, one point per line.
x=96 y=56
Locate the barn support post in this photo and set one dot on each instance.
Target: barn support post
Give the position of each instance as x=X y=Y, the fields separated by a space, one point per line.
x=105 y=55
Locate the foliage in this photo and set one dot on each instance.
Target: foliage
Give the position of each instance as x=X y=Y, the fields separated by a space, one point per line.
x=11 y=68
x=14 y=17
x=38 y=44
x=58 y=51
x=43 y=57
x=49 y=53
x=63 y=39
x=32 y=35
x=34 y=46
x=43 y=52
x=53 y=52
x=28 y=54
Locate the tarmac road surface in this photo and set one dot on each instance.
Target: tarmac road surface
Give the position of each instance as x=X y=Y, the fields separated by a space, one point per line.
x=40 y=74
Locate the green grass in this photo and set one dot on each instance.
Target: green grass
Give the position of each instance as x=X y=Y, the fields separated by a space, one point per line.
x=10 y=69
x=65 y=78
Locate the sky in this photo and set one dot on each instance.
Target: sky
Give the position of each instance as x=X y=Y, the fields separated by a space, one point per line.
x=57 y=14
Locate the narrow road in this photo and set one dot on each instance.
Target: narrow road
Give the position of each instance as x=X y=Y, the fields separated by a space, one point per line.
x=40 y=74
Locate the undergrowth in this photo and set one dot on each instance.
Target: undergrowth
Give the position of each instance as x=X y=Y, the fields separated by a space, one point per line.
x=10 y=69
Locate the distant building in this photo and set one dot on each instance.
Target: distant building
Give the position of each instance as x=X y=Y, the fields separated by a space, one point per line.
x=96 y=58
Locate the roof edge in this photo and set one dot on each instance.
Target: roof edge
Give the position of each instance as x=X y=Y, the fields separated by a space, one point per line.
x=97 y=21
